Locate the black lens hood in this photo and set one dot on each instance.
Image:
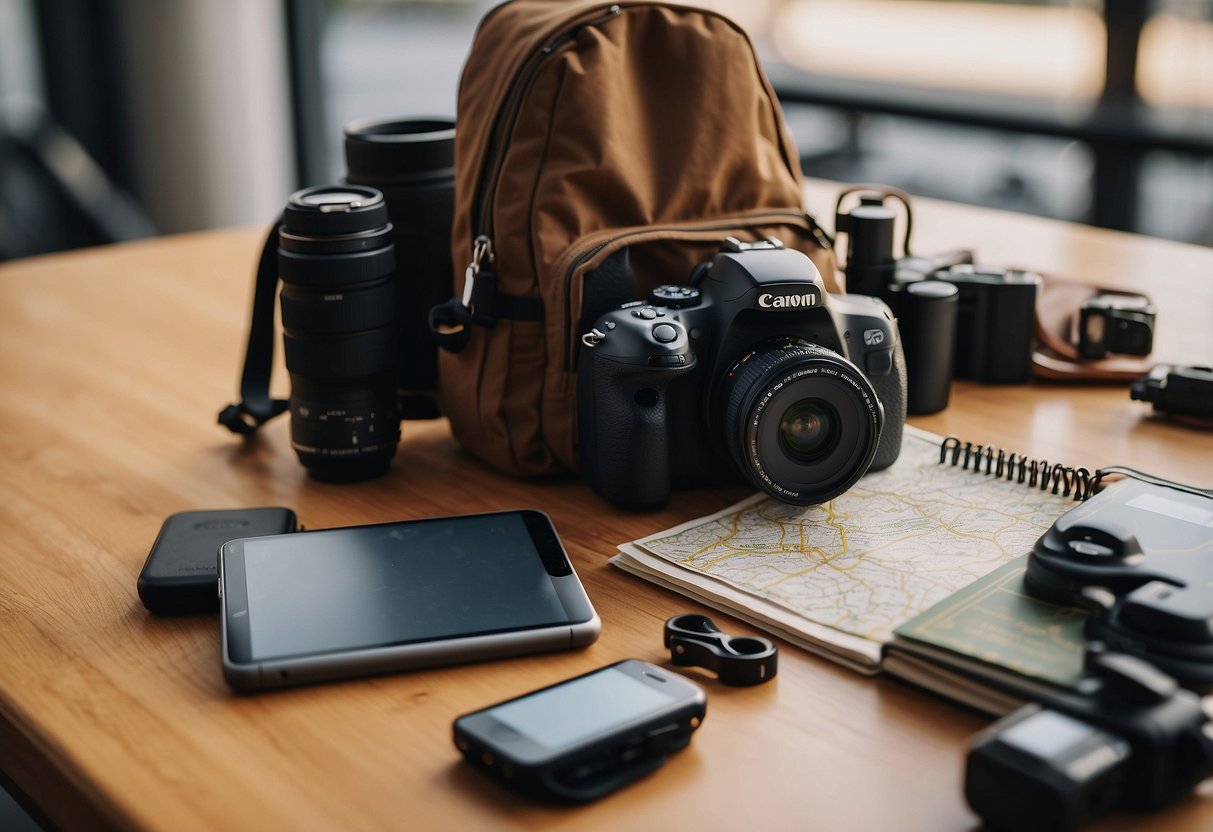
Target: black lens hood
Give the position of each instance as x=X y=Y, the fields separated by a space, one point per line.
x=400 y=151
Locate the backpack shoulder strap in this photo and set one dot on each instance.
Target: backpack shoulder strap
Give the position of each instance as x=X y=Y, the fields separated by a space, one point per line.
x=256 y=407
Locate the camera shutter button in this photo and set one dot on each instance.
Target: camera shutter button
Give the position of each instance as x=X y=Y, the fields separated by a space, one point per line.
x=665 y=333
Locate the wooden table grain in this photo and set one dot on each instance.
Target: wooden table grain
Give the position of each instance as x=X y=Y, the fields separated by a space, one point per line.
x=114 y=362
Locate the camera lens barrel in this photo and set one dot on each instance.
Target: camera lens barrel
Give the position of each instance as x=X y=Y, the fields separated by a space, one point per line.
x=412 y=162
x=337 y=262
x=400 y=151
x=800 y=421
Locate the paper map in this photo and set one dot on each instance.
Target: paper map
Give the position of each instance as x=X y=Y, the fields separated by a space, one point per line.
x=840 y=577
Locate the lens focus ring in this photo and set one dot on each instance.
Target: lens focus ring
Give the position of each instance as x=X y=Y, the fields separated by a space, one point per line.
x=349 y=309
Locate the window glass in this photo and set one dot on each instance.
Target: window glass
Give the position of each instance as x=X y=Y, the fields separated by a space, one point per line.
x=392 y=58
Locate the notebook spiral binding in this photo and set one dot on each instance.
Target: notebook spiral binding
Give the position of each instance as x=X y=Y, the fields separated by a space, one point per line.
x=1018 y=468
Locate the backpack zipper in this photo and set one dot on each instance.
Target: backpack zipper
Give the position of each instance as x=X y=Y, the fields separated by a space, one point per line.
x=761 y=217
x=506 y=117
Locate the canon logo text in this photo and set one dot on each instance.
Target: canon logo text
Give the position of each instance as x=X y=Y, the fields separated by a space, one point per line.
x=769 y=301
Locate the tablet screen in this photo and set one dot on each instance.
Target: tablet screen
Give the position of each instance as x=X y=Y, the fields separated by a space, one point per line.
x=375 y=586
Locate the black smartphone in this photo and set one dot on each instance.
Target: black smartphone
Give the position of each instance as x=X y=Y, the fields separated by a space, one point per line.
x=335 y=603
x=581 y=738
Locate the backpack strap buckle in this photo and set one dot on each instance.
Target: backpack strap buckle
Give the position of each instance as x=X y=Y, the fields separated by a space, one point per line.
x=481 y=303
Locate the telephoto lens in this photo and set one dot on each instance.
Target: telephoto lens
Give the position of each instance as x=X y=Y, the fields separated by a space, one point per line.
x=412 y=161
x=337 y=263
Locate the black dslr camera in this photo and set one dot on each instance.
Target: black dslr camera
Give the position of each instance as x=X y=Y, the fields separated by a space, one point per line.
x=752 y=372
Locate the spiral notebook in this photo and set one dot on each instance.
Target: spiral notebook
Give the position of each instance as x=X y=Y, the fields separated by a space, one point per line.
x=838 y=579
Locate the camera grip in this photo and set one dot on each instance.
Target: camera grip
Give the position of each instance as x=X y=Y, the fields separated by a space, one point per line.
x=622 y=425
x=891 y=390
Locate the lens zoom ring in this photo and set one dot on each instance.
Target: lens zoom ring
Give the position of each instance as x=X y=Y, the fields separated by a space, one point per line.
x=338 y=312
x=332 y=270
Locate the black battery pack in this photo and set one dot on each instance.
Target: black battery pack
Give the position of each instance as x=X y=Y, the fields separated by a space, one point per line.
x=181 y=572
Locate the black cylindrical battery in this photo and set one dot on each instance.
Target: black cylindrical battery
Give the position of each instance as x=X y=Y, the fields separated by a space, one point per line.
x=870 y=261
x=928 y=332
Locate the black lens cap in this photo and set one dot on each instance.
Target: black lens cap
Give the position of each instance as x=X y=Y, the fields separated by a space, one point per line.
x=335 y=209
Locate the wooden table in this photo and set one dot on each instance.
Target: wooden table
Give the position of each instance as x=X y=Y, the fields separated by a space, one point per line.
x=114 y=363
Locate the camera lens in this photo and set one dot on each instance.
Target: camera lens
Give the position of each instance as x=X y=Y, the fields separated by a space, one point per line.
x=808 y=429
x=412 y=161
x=337 y=263
x=800 y=421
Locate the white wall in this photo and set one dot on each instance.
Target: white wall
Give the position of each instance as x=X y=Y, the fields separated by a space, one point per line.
x=209 y=103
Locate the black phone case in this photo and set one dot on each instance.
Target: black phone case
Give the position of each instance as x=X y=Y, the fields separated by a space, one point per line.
x=181 y=572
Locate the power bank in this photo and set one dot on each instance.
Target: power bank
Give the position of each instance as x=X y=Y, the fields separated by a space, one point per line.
x=181 y=572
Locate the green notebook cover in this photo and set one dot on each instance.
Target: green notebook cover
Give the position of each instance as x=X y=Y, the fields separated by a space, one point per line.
x=994 y=621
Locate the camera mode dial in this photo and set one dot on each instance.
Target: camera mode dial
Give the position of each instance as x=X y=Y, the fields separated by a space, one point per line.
x=674 y=296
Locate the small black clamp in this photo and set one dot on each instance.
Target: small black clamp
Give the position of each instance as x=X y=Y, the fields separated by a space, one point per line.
x=695 y=641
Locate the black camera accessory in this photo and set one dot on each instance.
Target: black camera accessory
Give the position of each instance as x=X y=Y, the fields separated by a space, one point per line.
x=1130 y=737
x=1039 y=769
x=1076 y=326
x=1140 y=556
x=695 y=641
x=868 y=226
x=928 y=321
x=1115 y=322
x=1177 y=390
x=412 y=161
x=181 y=572
x=587 y=736
x=871 y=267
x=995 y=322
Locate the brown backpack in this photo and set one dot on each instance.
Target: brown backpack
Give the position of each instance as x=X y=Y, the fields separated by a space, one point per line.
x=602 y=150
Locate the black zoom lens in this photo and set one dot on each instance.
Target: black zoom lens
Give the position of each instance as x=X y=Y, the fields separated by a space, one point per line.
x=337 y=262
x=800 y=421
x=412 y=162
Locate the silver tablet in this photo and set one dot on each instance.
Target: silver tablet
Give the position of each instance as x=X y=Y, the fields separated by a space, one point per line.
x=314 y=606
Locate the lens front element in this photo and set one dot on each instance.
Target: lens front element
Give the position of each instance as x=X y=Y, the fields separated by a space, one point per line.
x=809 y=429
x=800 y=421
